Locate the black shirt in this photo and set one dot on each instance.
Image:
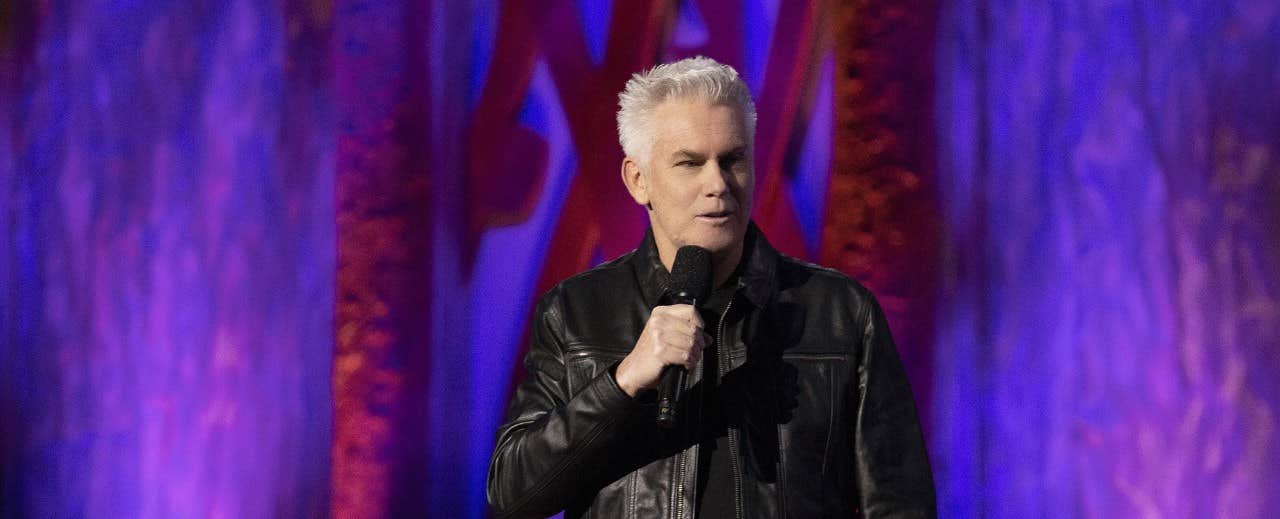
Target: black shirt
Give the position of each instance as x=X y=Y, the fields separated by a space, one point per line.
x=715 y=475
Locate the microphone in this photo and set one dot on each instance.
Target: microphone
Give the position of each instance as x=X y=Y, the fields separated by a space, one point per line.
x=690 y=282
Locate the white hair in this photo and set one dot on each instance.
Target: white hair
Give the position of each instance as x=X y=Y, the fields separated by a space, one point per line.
x=699 y=78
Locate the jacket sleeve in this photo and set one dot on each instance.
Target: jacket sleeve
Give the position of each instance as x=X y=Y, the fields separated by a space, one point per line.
x=551 y=440
x=894 y=478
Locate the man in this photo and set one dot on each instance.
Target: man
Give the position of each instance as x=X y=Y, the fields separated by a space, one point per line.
x=797 y=404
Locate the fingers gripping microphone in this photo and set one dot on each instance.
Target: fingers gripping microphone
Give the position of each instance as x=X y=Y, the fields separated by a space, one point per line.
x=690 y=283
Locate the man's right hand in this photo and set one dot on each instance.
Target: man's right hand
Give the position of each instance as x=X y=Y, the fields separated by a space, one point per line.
x=673 y=335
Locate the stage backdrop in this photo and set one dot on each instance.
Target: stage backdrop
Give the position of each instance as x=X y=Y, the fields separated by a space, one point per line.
x=277 y=259
x=1109 y=337
x=167 y=259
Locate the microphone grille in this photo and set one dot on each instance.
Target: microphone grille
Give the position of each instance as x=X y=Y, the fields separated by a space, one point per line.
x=691 y=273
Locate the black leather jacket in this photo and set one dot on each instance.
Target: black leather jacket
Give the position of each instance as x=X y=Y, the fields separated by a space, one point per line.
x=821 y=420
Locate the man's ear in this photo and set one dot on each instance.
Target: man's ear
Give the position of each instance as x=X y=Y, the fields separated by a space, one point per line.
x=635 y=180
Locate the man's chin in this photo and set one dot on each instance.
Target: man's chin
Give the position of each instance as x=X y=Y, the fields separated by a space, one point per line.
x=719 y=244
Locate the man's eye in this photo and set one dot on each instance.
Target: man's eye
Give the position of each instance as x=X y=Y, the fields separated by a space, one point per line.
x=687 y=164
x=728 y=162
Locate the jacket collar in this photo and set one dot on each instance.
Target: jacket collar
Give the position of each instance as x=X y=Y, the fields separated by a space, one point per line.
x=757 y=279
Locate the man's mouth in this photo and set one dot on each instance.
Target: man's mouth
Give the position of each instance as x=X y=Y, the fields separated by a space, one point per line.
x=717 y=215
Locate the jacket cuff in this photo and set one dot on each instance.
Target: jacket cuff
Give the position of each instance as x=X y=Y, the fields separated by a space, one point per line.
x=606 y=386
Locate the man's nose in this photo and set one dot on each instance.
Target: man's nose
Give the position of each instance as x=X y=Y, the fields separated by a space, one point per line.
x=716 y=179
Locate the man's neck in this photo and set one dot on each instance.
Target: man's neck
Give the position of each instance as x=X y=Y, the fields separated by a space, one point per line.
x=723 y=268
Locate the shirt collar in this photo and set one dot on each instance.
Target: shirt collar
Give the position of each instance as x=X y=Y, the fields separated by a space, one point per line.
x=757 y=279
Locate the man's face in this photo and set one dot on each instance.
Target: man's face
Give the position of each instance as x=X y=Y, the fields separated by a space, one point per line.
x=698 y=178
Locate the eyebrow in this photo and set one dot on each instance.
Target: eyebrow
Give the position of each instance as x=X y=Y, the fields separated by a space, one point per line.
x=687 y=155
x=692 y=155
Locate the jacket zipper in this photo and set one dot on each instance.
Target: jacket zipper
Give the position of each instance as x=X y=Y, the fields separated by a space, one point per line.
x=682 y=466
x=722 y=357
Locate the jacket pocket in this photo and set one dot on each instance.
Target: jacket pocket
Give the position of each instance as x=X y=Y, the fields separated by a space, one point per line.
x=816 y=455
x=583 y=363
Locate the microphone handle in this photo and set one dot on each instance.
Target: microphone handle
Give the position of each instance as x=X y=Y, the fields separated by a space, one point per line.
x=669 y=394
